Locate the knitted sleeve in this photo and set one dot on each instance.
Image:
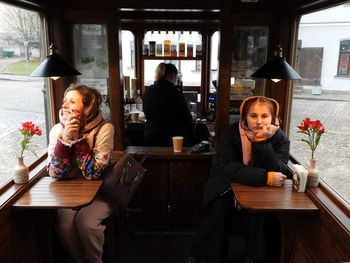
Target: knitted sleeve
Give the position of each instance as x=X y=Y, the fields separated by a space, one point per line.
x=93 y=162
x=59 y=155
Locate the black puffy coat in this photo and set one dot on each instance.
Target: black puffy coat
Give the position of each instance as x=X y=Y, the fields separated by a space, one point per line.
x=269 y=155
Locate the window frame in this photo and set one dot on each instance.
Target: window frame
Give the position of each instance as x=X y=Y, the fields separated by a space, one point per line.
x=341 y=54
x=323 y=195
x=35 y=168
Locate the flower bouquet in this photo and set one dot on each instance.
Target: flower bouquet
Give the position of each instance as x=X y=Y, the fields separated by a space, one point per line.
x=314 y=131
x=28 y=130
x=21 y=172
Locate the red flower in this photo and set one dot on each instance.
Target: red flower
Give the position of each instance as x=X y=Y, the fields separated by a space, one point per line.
x=304 y=126
x=28 y=130
x=314 y=130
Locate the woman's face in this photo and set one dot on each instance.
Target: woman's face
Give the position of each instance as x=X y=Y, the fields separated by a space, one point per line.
x=258 y=115
x=72 y=102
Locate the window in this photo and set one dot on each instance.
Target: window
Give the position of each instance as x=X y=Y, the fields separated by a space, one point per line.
x=128 y=57
x=91 y=59
x=326 y=98
x=20 y=54
x=249 y=53
x=344 y=58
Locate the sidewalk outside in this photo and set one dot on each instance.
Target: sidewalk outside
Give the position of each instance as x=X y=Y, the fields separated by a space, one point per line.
x=326 y=95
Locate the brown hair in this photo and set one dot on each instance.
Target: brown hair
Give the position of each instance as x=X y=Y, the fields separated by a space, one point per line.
x=92 y=100
x=165 y=70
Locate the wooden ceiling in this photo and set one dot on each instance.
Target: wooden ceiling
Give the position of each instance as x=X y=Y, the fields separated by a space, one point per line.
x=183 y=6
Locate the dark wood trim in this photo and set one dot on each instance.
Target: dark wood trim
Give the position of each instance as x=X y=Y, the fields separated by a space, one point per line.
x=312 y=6
x=116 y=93
x=35 y=5
x=224 y=74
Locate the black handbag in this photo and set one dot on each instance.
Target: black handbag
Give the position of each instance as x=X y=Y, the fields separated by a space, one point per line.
x=121 y=180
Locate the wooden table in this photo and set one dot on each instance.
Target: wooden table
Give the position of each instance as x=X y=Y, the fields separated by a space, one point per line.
x=289 y=205
x=48 y=195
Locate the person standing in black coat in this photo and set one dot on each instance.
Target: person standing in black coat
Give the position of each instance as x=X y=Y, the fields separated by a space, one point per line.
x=165 y=109
x=255 y=152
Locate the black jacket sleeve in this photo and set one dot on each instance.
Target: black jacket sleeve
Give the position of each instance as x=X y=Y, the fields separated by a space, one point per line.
x=270 y=155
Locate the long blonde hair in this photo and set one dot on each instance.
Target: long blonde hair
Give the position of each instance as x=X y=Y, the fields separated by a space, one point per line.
x=92 y=100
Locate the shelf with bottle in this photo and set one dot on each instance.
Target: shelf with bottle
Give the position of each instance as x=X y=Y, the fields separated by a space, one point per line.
x=172 y=45
x=171 y=58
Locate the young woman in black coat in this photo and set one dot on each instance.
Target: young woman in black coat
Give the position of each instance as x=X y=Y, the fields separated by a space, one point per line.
x=165 y=109
x=253 y=151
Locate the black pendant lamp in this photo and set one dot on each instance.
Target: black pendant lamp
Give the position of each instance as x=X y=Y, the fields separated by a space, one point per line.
x=54 y=66
x=277 y=69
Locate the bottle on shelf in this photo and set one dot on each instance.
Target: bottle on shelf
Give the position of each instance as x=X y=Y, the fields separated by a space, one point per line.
x=182 y=45
x=127 y=108
x=145 y=45
x=152 y=45
x=179 y=84
x=199 y=45
x=139 y=101
x=190 y=45
x=167 y=45
x=132 y=104
x=173 y=47
x=159 y=45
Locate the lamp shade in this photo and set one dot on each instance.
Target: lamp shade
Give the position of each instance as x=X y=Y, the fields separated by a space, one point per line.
x=54 y=66
x=277 y=68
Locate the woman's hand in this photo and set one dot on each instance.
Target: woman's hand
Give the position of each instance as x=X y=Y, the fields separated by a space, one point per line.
x=71 y=124
x=266 y=132
x=278 y=179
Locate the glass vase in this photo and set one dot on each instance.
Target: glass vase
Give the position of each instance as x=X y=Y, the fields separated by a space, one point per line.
x=21 y=172
x=313 y=178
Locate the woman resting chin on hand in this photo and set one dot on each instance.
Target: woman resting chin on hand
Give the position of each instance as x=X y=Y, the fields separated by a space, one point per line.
x=255 y=152
x=70 y=120
x=80 y=147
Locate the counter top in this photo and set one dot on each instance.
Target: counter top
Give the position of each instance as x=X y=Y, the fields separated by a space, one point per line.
x=167 y=153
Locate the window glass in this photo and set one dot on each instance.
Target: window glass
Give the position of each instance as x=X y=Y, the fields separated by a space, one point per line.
x=22 y=98
x=324 y=94
x=91 y=59
x=249 y=45
x=128 y=50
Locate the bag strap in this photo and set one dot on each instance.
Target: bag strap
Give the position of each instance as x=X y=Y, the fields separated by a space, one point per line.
x=99 y=126
x=143 y=159
x=145 y=155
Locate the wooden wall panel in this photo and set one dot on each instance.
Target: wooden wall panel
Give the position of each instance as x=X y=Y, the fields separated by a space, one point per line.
x=323 y=238
x=17 y=243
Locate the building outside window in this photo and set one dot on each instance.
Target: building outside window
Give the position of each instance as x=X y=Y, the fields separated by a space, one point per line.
x=22 y=98
x=344 y=58
x=323 y=63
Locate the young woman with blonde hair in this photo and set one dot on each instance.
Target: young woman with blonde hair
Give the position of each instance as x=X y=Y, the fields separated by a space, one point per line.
x=77 y=150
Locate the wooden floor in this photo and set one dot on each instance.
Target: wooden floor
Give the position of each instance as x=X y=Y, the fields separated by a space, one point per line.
x=164 y=247
x=153 y=247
